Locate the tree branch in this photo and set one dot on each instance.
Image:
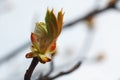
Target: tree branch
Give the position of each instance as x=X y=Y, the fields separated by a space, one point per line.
x=111 y=5
x=31 y=69
x=67 y=72
x=51 y=69
x=14 y=52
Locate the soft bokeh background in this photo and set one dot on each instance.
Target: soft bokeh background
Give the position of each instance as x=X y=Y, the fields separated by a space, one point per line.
x=17 y=21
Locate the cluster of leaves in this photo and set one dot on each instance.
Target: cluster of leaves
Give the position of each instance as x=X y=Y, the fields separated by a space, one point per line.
x=45 y=36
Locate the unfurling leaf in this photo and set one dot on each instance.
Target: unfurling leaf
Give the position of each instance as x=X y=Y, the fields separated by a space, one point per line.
x=45 y=36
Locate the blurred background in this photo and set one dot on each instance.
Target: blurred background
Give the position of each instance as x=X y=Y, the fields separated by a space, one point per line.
x=93 y=40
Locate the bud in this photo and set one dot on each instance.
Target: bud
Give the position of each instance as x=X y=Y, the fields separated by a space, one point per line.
x=45 y=36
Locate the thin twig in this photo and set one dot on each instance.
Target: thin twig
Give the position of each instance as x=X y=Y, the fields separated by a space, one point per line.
x=46 y=77
x=42 y=77
x=14 y=52
x=31 y=69
x=51 y=69
x=94 y=12
x=67 y=72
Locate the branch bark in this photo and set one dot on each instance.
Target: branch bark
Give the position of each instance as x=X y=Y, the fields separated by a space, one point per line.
x=31 y=68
